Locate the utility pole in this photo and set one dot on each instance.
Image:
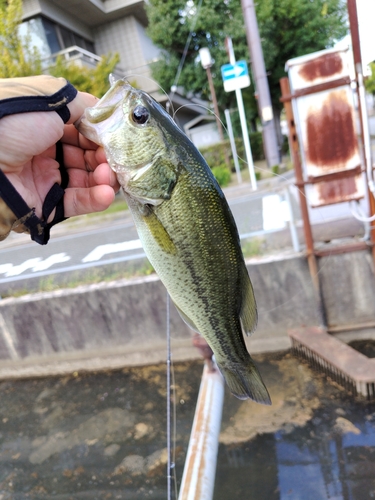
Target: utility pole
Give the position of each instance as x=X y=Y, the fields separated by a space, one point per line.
x=214 y=102
x=259 y=71
x=206 y=63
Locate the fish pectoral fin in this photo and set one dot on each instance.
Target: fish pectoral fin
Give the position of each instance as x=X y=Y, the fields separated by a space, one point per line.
x=190 y=323
x=157 y=230
x=248 y=314
x=245 y=381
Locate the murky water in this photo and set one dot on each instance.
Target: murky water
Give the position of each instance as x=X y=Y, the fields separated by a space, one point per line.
x=365 y=346
x=102 y=436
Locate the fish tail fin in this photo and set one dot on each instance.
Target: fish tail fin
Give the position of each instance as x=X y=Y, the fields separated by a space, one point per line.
x=245 y=381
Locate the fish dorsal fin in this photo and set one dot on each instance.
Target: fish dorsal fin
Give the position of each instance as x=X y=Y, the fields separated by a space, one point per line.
x=248 y=314
x=190 y=323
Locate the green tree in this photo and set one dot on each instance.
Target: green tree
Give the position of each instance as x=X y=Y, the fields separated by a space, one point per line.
x=17 y=57
x=370 y=80
x=292 y=28
x=92 y=80
x=288 y=28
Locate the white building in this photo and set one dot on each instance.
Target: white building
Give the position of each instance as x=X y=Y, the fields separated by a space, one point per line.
x=83 y=30
x=95 y=26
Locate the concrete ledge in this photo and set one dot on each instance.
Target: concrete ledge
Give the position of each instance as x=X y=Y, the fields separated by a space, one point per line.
x=92 y=361
x=335 y=358
x=123 y=323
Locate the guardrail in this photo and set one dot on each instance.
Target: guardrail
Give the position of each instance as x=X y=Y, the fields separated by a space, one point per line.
x=73 y=53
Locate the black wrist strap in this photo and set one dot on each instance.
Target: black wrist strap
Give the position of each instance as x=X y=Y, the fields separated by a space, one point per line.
x=39 y=228
x=55 y=102
x=38 y=100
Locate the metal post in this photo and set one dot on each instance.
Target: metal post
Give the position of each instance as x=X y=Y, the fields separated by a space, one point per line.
x=292 y=222
x=354 y=32
x=198 y=478
x=293 y=141
x=245 y=133
x=233 y=145
x=241 y=111
x=260 y=76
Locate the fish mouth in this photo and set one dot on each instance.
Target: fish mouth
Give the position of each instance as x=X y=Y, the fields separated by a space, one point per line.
x=113 y=98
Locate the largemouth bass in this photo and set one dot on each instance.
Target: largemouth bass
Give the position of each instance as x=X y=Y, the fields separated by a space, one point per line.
x=185 y=225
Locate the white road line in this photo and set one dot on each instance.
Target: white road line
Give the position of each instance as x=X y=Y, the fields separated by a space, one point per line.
x=77 y=267
x=102 y=250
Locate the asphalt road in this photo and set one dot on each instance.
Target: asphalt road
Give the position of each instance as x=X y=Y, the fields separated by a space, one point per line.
x=95 y=242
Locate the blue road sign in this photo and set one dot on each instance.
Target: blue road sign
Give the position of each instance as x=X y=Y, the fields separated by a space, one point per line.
x=235 y=76
x=229 y=71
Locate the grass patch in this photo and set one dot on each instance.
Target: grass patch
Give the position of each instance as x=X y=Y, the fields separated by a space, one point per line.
x=253 y=247
x=89 y=277
x=118 y=205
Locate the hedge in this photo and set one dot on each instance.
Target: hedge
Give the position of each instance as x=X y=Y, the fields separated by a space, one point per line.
x=215 y=154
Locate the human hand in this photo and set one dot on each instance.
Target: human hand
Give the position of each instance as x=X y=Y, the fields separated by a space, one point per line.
x=27 y=157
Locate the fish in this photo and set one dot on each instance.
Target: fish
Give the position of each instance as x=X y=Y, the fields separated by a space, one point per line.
x=185 y=225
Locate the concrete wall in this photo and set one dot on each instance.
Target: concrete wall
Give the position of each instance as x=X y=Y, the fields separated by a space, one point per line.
x=123 y=36
x=348 y=289
x=124 y=322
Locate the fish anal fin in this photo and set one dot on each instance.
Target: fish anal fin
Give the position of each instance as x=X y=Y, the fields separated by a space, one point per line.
x=190 y=323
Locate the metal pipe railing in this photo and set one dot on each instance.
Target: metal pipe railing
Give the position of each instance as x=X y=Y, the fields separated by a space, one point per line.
x=198 y=478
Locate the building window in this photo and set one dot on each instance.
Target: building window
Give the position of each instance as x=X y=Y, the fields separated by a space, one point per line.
x=49 y=37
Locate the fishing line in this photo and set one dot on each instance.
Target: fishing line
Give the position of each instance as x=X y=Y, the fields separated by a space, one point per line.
x=169 y=443
x=171 y=421
x=184 y=54
x=174 y=433
x=203 y=107
x=127 y=77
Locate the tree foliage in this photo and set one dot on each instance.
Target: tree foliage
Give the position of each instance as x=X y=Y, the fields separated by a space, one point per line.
x=292 y=28
x=288 y=28
x=85 y=79
x=370 y=81
x=17 y=57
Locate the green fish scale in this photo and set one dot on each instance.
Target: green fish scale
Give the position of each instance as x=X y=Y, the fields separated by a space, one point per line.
x=203 y=277
x=185 y=225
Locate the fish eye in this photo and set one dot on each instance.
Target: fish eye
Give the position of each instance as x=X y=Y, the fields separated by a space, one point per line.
x=140 y=115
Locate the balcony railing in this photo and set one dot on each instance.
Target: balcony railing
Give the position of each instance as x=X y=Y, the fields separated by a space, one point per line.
x=83 y=57
x=80 y=56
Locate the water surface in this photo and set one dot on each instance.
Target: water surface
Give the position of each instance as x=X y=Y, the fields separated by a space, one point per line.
x=102 y=436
